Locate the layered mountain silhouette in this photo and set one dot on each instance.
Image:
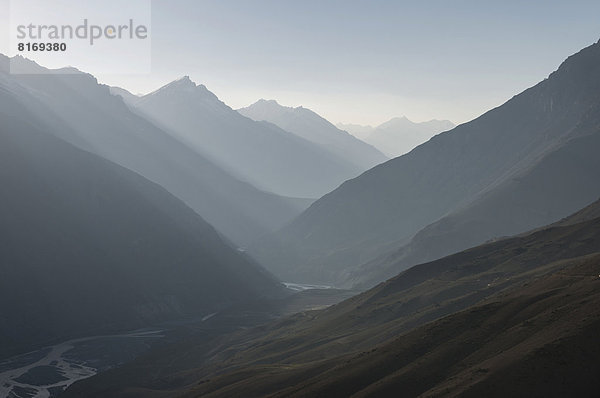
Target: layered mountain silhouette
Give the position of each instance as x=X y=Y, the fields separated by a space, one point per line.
x=103 y=124
x=524 y=164
x=360 y=131
x=312 y=127
x=260 y=153
x=516 y=317
x=87 y=246
x=398 y=135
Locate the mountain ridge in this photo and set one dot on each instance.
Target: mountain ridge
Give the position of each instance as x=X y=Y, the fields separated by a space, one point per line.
x=309 y=125
x=398 y=135
x=103 y=124
x=259 y=153
x=385 y=207
x=89 y=246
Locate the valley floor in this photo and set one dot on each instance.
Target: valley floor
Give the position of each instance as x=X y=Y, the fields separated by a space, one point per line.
x=47 y=372
x=516 y=317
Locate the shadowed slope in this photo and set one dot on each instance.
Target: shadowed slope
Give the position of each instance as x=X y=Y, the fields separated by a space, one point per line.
x=102 y=123
x=522 y=165
x=520 y=297
x=87 y=246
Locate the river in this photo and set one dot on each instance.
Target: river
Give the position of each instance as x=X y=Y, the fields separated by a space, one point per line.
x=46 y=372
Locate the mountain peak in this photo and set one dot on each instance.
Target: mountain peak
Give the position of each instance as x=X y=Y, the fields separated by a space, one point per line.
x=22 y=65
x=264 y=101
x=266 y=104
x=396 y=122
x=186 y=85
x=263 y=105
x=184 y=81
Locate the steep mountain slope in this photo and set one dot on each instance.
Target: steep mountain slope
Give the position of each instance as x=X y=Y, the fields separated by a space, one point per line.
x=539 y=341
x=308 y=125
x=524 y=164
x=526 y=305
x=258 y=152
x=566 y=177
x=87 y=246
x=101 y=123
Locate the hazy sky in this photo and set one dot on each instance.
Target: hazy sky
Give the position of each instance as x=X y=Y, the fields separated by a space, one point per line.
x=363 y=61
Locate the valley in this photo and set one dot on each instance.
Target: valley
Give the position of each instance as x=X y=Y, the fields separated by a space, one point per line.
x=301 y=199
x=47 y=372
x=447 y=325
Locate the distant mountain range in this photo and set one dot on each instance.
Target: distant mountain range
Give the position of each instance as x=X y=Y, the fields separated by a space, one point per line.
x=259 y=153
x=524 y=164
x=516 y=317
x=103 y=124
x=312 y=127
x=359 y=131
x=87 y=246
x=398 y=135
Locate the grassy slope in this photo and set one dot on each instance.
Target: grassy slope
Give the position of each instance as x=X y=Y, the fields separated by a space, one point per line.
x=538 y=340
x=357 y=345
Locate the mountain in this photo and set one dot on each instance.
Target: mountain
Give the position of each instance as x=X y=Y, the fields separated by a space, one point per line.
x=527 y=163
x=260 y=153
x=102 y=123
x=398 y=135
x=562 y=180
x=357 y=130
x=312 y=127
x=128 y=97
x=89 y=247
x=516 y=317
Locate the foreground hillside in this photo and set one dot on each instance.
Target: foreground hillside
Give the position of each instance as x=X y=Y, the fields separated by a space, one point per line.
x=476 y=323
x=539 y=340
